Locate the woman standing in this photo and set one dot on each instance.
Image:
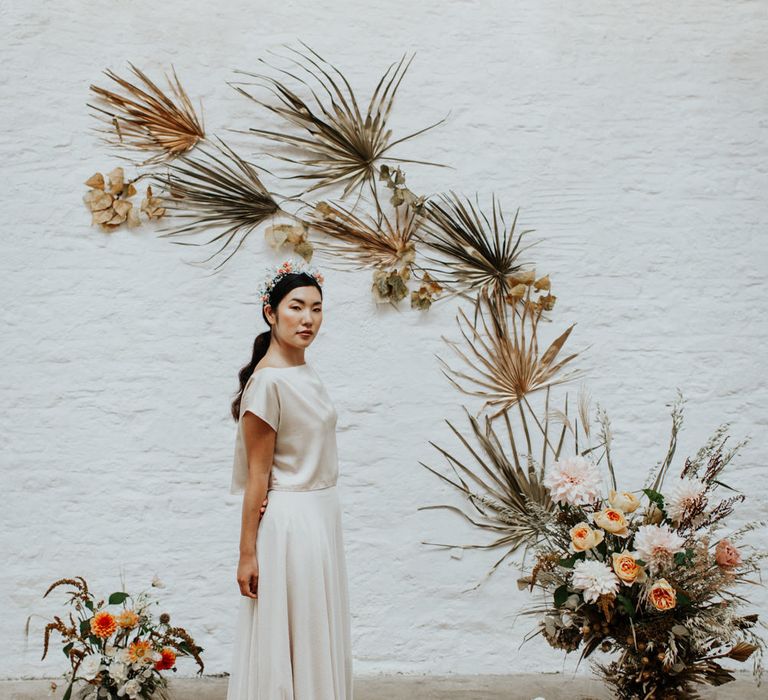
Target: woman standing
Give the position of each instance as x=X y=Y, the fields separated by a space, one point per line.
x=293 y=637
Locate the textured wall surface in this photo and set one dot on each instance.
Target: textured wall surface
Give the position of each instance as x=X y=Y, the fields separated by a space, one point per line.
x=633 y=139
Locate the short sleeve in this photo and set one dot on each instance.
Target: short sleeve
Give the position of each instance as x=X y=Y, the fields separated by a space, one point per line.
x=262 y=398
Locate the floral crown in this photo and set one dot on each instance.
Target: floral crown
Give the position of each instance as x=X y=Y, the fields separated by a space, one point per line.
x=274 y=273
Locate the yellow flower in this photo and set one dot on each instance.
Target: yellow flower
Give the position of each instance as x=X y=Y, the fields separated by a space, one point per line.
x=624 y=501
x=662 y=595
x=127 y=619
x=140 y=651
x=626 y=567
x=583 y=537
x=612 y=520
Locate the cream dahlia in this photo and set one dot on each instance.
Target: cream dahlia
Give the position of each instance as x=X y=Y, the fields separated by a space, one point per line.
x=573 y=481
x=686 y=493
x=594 y=578
x=657 y=544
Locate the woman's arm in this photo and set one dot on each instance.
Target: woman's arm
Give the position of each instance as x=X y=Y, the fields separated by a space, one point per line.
x=259 y=439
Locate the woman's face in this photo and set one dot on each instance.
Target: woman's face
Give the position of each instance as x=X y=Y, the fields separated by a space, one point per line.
x=301 y=314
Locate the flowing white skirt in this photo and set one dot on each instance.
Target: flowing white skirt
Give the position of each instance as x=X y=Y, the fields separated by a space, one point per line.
x=293 y=642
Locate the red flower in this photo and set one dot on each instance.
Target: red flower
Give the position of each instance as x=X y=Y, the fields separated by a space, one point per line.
x=167 y=660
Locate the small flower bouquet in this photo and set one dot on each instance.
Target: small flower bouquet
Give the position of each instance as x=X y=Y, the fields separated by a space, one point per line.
x=643 y=575
x=116 y=649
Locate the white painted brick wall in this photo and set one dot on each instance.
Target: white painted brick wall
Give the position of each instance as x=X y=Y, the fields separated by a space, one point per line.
x=632 y=136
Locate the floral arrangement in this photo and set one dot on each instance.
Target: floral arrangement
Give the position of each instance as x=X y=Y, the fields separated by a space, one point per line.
x=274 y=273
x=643 y=574
x=119 y=652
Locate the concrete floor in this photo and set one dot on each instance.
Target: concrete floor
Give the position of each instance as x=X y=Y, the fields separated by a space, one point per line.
x=520 y=687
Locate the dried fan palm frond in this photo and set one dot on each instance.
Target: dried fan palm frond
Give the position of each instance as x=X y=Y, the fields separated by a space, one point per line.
x=387 y=246
x=507 y=362
x=148 y=119
x=382 y=244
x=474 y=253
x=216 y=193
x=339 y=144
x=506 y=490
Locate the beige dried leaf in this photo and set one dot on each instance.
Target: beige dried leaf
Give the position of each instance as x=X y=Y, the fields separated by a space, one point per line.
x=297 y=233
x=151 y=205
x=305 y=249
x=275 y=236
x=542 y=284
x=279 y=234
x=547 y=302
x=97 y=200
x=122 y=207
x=102 y=216
x=525 y=277
x=101 y=201
x=117 y=218
x=96 y=181
x=133 y=218
x=517 y=292
x=116 y=180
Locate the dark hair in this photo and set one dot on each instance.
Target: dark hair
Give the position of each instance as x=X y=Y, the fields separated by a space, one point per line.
x=261 y=343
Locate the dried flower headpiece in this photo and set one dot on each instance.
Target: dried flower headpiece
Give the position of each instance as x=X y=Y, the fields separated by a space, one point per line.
x=275 y=272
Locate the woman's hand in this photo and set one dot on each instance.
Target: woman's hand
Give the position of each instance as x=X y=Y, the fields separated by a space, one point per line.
x=263 y=508
x=248 y=575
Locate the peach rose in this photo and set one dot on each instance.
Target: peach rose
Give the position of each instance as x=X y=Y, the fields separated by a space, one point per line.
x=726 y=555
x=624 y=501
x=626 y=567
x=583 y=537
x=662 y=595
x=612 y=520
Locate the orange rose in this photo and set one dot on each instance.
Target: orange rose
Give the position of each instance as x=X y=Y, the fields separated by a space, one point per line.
x=662 y=595
x=167 y=659
x=626 y=567
x=612 y=520
x=103 y=624
x=583 y=537
x=127 y=619
x=726 y=555
x=624 y=501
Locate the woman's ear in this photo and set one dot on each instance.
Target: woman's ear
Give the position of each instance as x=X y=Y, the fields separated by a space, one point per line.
x=269 y=314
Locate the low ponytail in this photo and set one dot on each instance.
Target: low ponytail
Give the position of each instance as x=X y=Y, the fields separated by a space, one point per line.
x=260 y=347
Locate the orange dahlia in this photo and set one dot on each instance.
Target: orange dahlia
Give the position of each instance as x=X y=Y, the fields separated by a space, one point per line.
x=167 y=661
x=103 y=624
x=127 y=619
x=139 y=651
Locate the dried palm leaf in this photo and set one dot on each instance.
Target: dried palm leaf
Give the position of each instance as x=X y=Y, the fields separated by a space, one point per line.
x=338 y=144
x=147 y=118
x=474 y=253
x=363 y=241
x=214 y=193
x=508 y=364
x=504 y=487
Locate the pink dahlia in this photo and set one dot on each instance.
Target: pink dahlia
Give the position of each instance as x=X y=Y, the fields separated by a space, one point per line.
x=573 y=481
x=657 y=544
